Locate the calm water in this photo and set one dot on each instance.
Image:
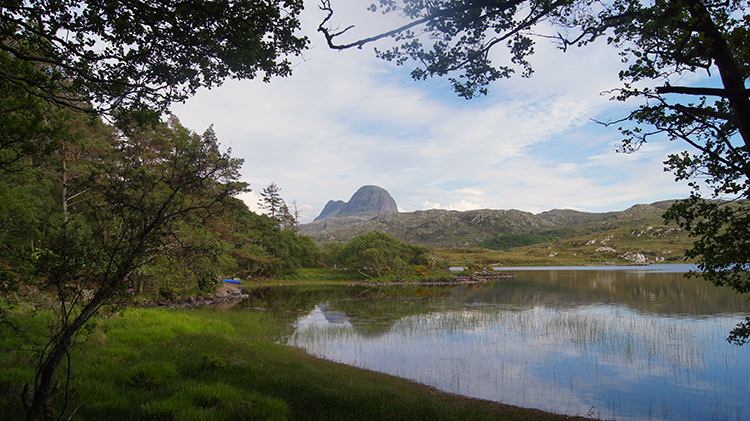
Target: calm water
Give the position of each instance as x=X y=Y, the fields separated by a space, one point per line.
x=622 y=343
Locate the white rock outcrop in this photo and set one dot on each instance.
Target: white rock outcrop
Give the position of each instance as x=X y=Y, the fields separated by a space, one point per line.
x=636 y=258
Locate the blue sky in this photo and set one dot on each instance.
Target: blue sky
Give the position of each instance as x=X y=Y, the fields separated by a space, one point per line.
x=347 y=119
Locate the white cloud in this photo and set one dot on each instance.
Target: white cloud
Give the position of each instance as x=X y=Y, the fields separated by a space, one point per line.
x=347 y=119
x=463 y=205
x=251 y=200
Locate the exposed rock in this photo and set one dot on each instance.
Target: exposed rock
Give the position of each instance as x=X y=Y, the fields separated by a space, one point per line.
x=332 y=208
x=367 y=202
x=226 y=294
x=441 y=228
x=636 y=258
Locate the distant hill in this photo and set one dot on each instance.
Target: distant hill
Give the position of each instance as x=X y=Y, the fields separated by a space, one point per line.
x=636 y=235
x=366 y=203
x=441 y=228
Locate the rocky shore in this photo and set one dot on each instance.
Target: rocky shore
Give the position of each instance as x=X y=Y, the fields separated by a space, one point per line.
x=225 y=295
x=229 y=294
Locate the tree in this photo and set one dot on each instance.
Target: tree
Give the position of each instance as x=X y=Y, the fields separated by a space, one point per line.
x=126 y=61
x=672 y=38
x=461 y=32
x=658 y=40
x=272 y=201
x=289 y=218
x=256 y=246
x=140 y=55
x=378 y=253
x=135 y=203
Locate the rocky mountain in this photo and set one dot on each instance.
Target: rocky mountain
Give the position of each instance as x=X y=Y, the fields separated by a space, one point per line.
x=366 y=203
x=440 y=228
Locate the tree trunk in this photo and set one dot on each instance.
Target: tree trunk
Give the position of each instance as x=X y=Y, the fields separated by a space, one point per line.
x=729 y=69
x=45 y=389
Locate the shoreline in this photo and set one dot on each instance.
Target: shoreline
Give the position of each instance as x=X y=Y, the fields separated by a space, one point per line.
x=460 y=279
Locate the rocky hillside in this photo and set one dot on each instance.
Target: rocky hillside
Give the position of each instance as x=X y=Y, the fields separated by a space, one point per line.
x=367 y=202
x=439 y=228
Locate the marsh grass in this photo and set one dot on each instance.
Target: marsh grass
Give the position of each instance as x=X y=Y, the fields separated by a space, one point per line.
x=621 y=338
x=215 y=401
x=156 y=364
x=150 y=375
x=548 y=357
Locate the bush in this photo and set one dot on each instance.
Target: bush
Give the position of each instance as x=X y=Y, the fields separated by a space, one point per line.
x=380 y=254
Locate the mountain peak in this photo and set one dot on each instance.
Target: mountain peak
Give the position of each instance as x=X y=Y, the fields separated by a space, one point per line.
x=367 y=202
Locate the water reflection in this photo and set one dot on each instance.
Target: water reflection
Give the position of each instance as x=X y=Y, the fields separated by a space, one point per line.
x=607 y=343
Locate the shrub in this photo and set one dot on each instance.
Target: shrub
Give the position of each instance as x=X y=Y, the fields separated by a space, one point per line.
x=380 y=253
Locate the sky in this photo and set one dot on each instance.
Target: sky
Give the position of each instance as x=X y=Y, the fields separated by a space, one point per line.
x=345 y=119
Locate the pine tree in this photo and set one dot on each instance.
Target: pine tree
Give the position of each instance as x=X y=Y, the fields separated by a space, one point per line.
x=271 y=200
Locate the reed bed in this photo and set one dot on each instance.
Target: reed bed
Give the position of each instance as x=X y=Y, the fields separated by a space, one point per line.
x=601 y=360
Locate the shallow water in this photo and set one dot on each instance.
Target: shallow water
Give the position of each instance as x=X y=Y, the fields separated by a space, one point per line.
x=608 y=343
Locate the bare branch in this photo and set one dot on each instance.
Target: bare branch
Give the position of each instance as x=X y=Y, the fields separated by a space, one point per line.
x=329 y=34
x=725 y=93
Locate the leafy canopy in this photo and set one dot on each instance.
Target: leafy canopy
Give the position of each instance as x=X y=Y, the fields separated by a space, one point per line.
x=139 y=55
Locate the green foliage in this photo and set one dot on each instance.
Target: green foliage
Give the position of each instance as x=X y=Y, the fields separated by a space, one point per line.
x=113 y=205
x=379 y=254
x=723 y=245
x=208 y=281
x=257 y=246
x=142 y=327
x=509 y=241
x=323 y=275
x=112 y=201
x=111 y=60
x=674 y=38
x=740 y=334
x=30 y=126
x=271 y=200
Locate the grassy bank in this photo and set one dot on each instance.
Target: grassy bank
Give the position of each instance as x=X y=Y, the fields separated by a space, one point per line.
x=211 y=364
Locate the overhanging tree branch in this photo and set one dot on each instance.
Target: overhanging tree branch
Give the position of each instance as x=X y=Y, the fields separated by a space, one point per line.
x=687 y=90
x=434 y=15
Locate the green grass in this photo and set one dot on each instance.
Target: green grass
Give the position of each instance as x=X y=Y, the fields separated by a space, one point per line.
x=157 y=364
x=658 y=241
